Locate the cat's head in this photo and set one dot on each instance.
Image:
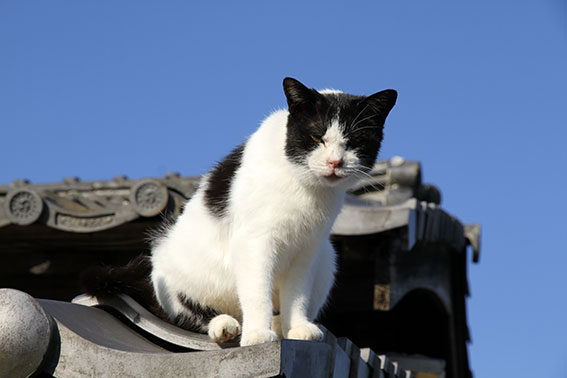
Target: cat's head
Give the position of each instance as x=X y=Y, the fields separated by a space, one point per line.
x=333 y=138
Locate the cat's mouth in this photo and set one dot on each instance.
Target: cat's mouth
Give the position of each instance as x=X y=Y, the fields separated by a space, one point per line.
x=333 y=177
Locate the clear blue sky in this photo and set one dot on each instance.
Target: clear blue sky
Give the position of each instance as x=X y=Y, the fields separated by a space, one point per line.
x=96 y=89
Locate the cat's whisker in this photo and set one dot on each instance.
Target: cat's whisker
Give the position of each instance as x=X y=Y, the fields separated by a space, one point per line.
x=357 y=170
x=353 y=124
x=375 y=187
x=364 y=119
x=364 y=127
x=361 y=175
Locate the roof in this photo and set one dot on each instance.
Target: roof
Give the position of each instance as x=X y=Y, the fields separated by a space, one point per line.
x=73 y=340
x=402 y=283
x=91 y=206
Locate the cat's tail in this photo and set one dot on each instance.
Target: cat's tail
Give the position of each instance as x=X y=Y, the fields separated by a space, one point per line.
x=132 y=279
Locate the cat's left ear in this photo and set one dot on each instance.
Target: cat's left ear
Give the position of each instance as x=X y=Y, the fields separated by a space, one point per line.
x=382 y=102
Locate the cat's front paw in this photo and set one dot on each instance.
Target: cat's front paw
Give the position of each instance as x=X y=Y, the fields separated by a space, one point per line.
x=258 y=336
x=223 y=328
x=306 y=331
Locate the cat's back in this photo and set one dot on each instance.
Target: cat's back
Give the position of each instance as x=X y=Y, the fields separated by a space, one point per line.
x=249 y=175
x=267 y=143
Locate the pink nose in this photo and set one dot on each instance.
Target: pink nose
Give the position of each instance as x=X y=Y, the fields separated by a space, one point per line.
x=335 y=163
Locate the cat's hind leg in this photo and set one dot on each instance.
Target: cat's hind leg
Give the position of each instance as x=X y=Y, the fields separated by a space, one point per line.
x=277 y=325
x=223 y=328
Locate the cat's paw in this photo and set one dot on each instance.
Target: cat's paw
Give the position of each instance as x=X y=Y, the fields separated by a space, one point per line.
x=258 y=336
x=223 y=328
x=306 y=331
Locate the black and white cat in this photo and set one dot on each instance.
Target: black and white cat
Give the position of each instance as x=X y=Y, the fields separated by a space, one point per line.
x=253 y=241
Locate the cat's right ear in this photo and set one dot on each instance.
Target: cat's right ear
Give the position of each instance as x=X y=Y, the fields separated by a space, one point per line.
x=382 y=102
x=299 y=97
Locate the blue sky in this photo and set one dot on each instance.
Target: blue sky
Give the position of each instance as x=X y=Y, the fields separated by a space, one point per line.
x=96 y=89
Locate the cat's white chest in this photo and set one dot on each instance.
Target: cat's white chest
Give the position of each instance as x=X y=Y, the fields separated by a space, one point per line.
x=293 y=217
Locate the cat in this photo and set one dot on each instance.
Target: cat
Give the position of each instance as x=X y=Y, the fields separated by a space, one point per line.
x=250 y=254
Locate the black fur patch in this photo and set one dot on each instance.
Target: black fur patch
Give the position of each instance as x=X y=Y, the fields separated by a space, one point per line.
x=200 y=316
x=220 y=180
x=311 y=113
x=132 y=279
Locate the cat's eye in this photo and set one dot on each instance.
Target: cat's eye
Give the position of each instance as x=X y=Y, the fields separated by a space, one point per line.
x=317 y=140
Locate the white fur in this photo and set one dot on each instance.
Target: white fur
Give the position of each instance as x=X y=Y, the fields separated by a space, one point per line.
x=223 y=328
x=330 y=91
x=271 y=251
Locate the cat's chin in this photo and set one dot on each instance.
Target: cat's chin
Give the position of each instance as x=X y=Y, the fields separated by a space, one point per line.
x=334 y=180
x=333 y=177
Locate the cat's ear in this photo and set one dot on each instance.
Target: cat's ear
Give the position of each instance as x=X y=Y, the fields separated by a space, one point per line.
x=382 y=102
x=299 y=97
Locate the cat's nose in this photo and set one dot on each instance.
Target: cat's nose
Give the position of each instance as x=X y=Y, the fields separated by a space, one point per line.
x=335 y=163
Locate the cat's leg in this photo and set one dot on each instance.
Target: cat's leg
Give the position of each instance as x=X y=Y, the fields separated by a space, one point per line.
x=223 y=328
x=296 y=289
x=324 y=279
x=276 y=318
x=277 y=325
x=254 y=275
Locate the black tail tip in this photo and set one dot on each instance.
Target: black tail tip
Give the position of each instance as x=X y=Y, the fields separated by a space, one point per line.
x=94 y=281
